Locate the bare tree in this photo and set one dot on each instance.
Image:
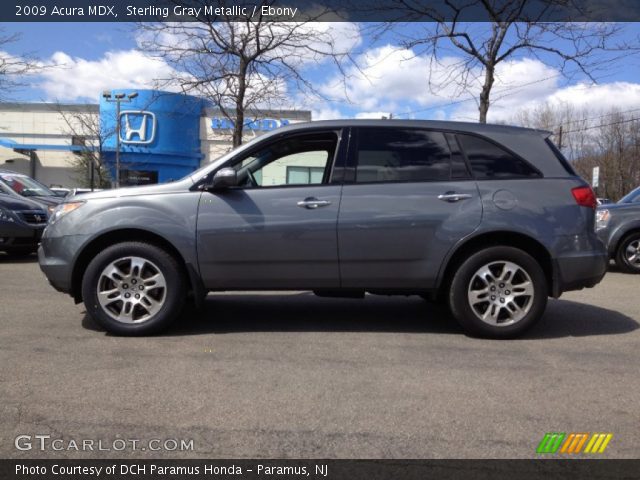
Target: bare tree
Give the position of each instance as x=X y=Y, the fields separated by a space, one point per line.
x=513 y=29
x=592 y=138
x=569 y=125
x=616 y=147
x=90 y=134
x=13 y=69
x=240 y=66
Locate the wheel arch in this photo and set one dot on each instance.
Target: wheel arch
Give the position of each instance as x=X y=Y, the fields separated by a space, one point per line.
x=113 y=237
x=621 y=235
x=504 y=239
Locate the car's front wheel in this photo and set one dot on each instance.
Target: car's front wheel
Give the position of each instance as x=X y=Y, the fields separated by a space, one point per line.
x=628 y=254
x=498 y=292
x=133 y=288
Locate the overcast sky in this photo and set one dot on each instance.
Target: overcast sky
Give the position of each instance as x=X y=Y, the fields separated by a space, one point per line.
x=86 y=58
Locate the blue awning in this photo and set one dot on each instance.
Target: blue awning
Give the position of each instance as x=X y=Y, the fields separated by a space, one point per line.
x=8 y=143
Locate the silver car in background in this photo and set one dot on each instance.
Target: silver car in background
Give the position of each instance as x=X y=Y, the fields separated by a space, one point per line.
x=490 y=220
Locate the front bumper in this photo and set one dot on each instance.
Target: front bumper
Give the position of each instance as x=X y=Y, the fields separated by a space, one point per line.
x=57 y=272
x=604 y=234
x=56 y=256
x=16 y=236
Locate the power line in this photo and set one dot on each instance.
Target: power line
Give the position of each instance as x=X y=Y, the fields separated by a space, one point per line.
x=629 y=120
x=505 y=89
x=594 y=118
x=473 y=97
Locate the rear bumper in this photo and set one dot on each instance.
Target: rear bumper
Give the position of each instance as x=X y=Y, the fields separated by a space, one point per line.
x=579 y=270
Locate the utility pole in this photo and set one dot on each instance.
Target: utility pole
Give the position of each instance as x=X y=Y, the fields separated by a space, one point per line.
x=118 y=98
x=92 y=175
x=560 y=138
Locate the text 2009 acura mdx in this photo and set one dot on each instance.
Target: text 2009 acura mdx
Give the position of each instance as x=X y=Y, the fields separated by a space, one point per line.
x=490 y=219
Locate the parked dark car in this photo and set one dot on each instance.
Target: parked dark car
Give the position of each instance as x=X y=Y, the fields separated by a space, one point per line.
x=21 y=224
x=70 y=192
x=618 y=226
x=60 y=191
x=24 y=186
x=491 y=220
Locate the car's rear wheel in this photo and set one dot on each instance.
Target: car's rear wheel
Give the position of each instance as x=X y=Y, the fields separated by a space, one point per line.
x=134 y=288
x=498 y=292
x=628 y=253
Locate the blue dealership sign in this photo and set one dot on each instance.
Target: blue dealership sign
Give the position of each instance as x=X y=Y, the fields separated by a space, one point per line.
x=262 y=125
x=159 y=132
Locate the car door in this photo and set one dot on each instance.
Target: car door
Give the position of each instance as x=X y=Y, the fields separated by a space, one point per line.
x=407 y=199
x=278 y=228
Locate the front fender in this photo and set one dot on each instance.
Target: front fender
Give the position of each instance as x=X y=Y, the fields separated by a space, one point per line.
x=171 y=218
x=619 y=232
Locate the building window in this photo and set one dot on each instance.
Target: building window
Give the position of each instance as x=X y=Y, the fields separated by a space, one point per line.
x=304 y=175
x=300 y=160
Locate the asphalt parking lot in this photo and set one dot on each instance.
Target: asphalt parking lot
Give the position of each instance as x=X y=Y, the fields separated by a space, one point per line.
x=295 y=376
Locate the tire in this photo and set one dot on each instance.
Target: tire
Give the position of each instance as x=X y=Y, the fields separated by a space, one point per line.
x=628 y=253
x=144 y=285
x=524 y=303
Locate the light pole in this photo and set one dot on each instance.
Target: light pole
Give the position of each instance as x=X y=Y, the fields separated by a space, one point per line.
x=118 y=98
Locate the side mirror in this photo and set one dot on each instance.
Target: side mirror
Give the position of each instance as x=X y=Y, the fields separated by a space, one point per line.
x=224 y=178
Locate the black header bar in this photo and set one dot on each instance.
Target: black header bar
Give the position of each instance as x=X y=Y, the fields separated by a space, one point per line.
x=318 y=10
x=550 y=469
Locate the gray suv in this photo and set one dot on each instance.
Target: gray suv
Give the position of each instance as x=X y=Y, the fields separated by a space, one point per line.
x=489 y=219
x=618 y=225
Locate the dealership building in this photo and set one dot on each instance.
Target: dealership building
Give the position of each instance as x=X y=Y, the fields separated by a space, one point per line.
x=163 y=136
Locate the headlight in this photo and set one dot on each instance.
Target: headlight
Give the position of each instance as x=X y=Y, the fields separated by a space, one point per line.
x=602 y=218
x=63 y=209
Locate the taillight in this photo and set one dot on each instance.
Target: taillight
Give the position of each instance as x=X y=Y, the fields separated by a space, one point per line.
x=584 y=196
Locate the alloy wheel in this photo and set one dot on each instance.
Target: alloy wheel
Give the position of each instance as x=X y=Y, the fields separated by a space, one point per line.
x=632 y=253
x=131 y=289
x=501 y=293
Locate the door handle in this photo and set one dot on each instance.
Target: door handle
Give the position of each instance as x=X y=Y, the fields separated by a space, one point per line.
x=453 y=197
x=311 y=203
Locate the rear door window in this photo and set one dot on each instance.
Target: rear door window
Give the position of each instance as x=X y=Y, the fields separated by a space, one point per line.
x=401 y=155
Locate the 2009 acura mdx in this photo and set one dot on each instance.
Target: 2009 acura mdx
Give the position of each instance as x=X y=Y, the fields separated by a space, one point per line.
x=490 y=219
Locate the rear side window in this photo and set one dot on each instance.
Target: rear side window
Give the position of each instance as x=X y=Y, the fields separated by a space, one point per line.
x=488 y=161
x=401 y=155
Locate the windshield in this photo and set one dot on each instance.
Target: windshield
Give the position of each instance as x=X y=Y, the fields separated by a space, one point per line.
x=631 y=197
x=25 y=186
